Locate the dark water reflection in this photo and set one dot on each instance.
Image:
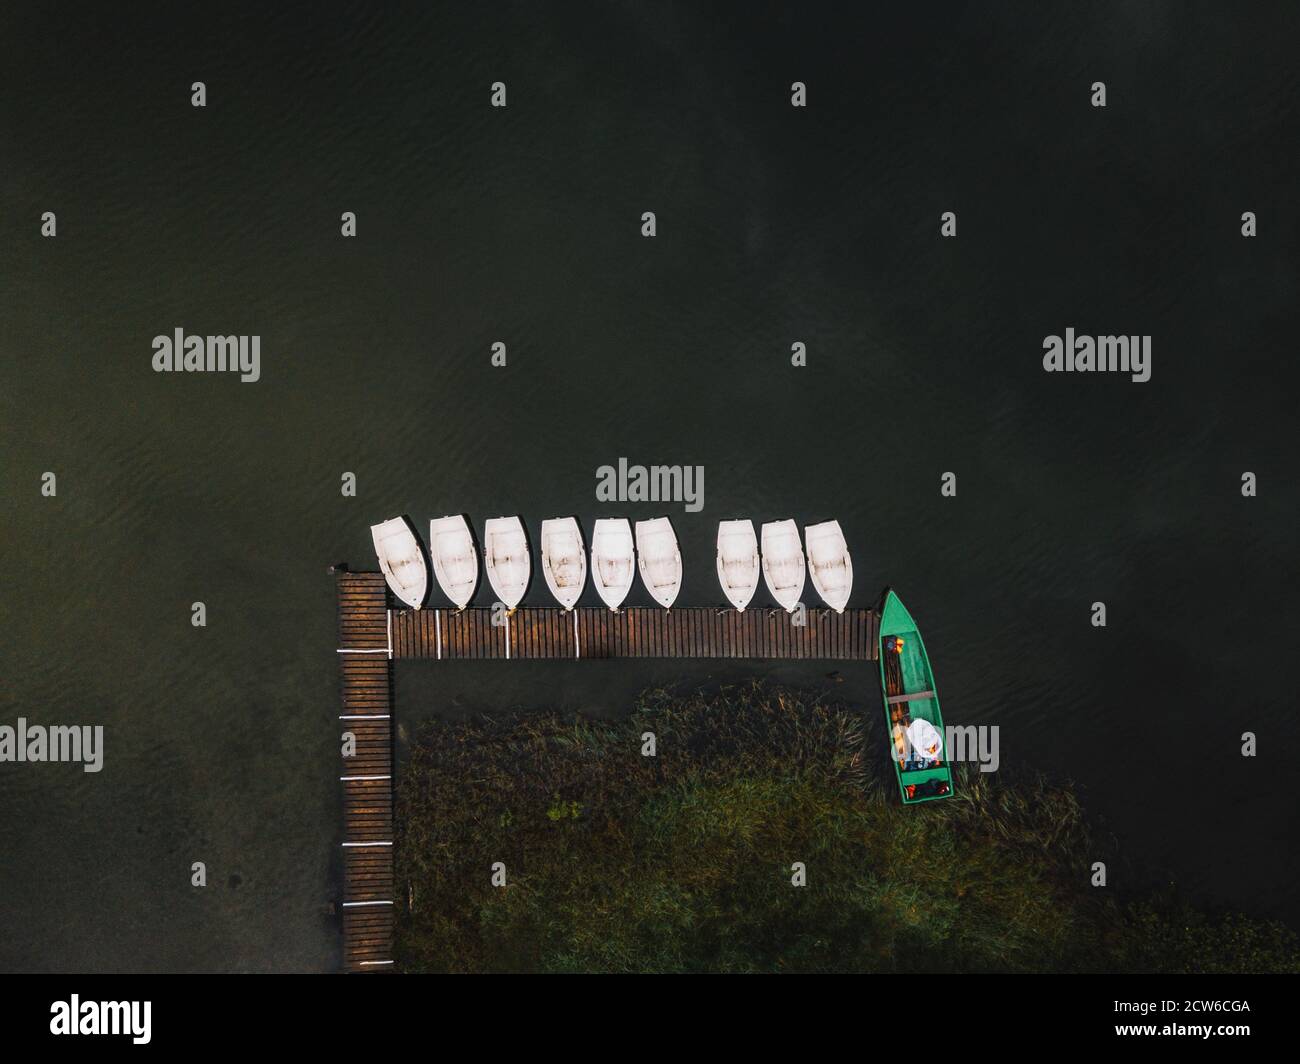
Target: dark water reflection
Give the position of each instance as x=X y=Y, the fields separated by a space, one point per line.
x=774 y=226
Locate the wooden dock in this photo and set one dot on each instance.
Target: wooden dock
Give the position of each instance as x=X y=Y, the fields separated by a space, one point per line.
x=372 y=635
x=366 y=686
x=546 y=633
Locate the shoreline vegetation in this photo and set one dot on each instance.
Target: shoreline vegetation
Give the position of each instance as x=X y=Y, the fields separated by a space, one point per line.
x=682 y=862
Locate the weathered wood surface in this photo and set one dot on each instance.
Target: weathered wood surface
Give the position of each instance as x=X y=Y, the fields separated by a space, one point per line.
x=365 y=678
x=542 y=632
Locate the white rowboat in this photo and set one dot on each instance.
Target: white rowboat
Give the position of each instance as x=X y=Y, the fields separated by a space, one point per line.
x=612 y=560
x=829 y=563
x=564 y=560
x=659 y=560
x=506 y=559
x=455 y=559
x=783 y=563
x=738 y=565
x=401 y=560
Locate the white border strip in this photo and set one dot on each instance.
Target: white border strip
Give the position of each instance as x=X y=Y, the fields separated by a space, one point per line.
x=366 y=844
x=437 y=624
x=364 y=716
x=347 y=778
x=360 y=904
x=390 y=632
x=376 y=650
x=507 y=637
x=370 y=964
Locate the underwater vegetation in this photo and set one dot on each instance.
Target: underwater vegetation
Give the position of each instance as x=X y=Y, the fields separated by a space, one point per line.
x=684 y=861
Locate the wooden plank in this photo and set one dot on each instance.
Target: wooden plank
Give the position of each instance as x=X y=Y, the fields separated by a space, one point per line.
x=365 y=682
x=461 y=621
x=547 y=633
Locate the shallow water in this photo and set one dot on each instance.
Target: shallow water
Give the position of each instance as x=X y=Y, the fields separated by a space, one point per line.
x=522 y=225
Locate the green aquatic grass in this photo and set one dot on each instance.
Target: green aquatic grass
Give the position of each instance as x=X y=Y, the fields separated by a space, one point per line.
x=682 y=862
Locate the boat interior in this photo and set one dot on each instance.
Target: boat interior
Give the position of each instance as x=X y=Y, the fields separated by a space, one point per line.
x=910 y=696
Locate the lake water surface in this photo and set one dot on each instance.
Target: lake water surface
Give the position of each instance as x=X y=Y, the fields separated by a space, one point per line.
x=776 y=225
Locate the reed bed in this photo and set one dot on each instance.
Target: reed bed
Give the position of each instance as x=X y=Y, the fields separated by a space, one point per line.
x=683 y=861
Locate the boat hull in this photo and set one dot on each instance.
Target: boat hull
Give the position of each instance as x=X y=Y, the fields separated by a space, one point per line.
x=738 y=562
x=564 y=560
x=401 y=560
x=784 y=567
x=909 y=695
x=829 y=563
x=506 y=559
x=455 y=559
x=659 y=560
x=613 y=560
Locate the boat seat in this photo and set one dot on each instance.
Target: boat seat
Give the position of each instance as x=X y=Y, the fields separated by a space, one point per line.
x=916 y=696
x=924 y=775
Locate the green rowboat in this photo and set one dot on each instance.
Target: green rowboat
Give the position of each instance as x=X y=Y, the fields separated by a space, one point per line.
x=907 y=688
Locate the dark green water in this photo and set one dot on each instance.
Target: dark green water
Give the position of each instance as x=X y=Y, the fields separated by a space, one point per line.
x=775 y=225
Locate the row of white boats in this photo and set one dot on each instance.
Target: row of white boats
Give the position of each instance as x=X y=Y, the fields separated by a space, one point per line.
x=616 y=557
